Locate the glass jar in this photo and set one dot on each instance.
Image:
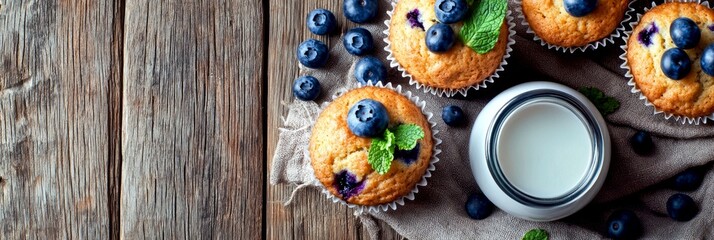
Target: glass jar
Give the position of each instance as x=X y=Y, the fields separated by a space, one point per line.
x=540 y=151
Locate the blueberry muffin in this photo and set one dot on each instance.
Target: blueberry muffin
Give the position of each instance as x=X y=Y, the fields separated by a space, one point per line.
x=665 y=56
x=573 y=23
x=340 y=146
x=441 y=64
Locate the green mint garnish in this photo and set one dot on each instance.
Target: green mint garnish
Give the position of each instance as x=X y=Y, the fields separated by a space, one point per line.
x=605 y=104
x=381 y=150
x=470 y=2
x=407 y=136
x=483 y=26
x=536 y=234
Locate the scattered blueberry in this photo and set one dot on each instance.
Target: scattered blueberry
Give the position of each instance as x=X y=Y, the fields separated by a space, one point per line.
x=414 y=19
x=707 y=60
x=623 y=224
x=478 y=206
x=453 y=115
x=450 y=11
x=685 y=33
x=681 y=207
x=645 y=36
x=407 y=156
x=676 y=63
x=579 y=8
x=689 y=180
x=321 y=21
x=642 y=143
x=370 y=69
x=711 y=27
x=360 y=11
x=440 y=38
x=312 y=53
x=358 y=41
x=347 y=185
x=306 y=88
x=368 y=118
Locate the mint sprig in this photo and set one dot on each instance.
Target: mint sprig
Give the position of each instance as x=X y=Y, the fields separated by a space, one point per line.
x=605 y=104
x=483 y=26
x=407 y=136
x=536 y=234
x=381 y=150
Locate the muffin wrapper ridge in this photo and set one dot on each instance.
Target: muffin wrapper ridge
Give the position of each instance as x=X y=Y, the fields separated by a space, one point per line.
x=359 y=209
x=633 y=85
x=441 y=92
x=593 y=45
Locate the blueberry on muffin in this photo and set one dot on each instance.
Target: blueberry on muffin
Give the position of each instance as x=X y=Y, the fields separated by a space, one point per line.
x=668 y=58
x=573 y=23
x=449 y=44
x=370 y=146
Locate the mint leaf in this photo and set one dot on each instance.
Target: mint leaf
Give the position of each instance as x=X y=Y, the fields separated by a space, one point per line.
x=483 y=26
x=470 y=2
x=407 y=136
x=605 y=104
x=536 y=234
x=381 y=152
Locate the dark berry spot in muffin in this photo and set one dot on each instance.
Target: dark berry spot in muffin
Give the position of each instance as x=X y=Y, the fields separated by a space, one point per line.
x=645 y=36
x=347 y=185
x=407 y=156
x=711 y=27
x=413 y=19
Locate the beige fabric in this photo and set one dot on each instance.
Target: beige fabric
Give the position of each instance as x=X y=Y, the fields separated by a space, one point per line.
x=634 y=182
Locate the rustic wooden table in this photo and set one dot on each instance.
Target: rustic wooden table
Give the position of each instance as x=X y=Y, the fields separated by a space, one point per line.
x=152 y=119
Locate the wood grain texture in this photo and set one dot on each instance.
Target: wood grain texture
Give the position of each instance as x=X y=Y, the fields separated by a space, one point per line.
x=192 y=121
x=55 y=70
x=311 y=216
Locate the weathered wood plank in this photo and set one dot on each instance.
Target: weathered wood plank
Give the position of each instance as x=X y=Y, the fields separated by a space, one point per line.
x=192 y=139
x=311 y=216
x=55 y=70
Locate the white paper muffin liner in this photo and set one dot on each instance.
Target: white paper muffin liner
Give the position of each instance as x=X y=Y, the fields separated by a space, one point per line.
x=359 y=209
x=631 y=82
x=446 y=91
x=617 y=33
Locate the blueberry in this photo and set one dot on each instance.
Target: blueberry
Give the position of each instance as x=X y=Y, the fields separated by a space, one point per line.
x=367 y=118
x=685 y=33
x=642 y=143
x=450 y=11
x=347 y=185
x=360 y=11
x=370 y=69
x=579 y=8
x=676 y=63
x=453 y=115
x=623 y=224
x=689 y=180
x=440 y=38
x=681 y=207
x=407 y=156
x=306 y=88
x=414 y=19
x=645 y=36
x=707 y=60
x=478 y=206
x=358 y=41
x=312 y=53
x=321 y=21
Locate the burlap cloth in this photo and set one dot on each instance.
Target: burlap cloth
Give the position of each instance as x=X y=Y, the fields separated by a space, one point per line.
x=634 y=182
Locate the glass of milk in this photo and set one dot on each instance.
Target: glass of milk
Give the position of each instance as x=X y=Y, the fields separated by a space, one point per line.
x=540 y=151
